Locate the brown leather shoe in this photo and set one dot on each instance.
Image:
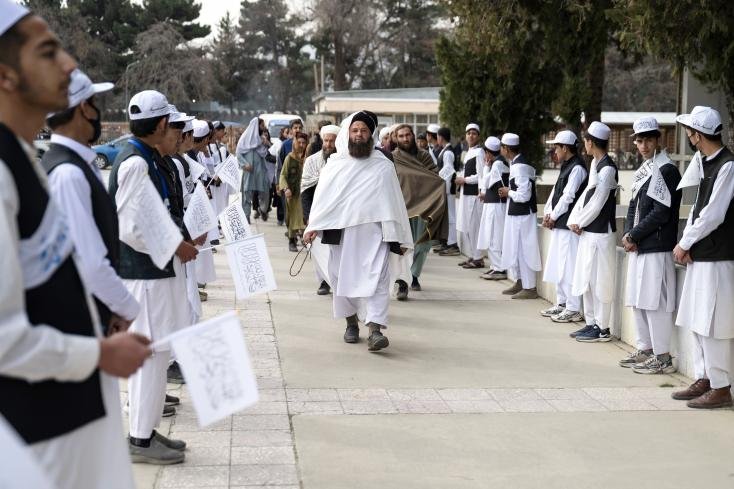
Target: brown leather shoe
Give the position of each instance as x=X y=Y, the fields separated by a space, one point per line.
x=714 y=398
x=699 y=387
x=517 y=287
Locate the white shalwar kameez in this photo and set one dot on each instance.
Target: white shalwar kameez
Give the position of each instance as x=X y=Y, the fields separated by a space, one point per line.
x=520 y=251
x=204 y=264
x=469 y=212
x=95 y=454
x=160 y=312
x=561 y=259
x=707 y=300
x=596 y=259
x=361 y=197
x=492 y=227
x=447 y=156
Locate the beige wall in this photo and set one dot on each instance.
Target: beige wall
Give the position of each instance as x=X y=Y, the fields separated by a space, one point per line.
x=379 y=106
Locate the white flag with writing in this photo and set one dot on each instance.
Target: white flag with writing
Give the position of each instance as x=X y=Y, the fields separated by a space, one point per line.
x=216 y=365
x=234 y=223
x=250 y=266
x=199 y=217
x=153 y=221
x=229 y=172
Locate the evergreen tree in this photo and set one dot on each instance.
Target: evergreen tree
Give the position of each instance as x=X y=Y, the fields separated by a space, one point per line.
x=229 y=69
x=181 y=14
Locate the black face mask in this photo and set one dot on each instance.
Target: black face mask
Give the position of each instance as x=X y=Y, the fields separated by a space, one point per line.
x=96 y=124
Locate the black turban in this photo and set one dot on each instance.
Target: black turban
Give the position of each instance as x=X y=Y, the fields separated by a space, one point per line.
x=367 y=117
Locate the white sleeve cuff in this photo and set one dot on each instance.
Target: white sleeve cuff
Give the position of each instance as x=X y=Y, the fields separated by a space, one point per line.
x=82 y=358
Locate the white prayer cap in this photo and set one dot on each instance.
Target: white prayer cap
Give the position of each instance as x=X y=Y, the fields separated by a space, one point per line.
x=564 y=137
x=645 y=124
x=492 y=143
x=510 y=139
x=599 y=130
x=148 y=104
x=329 y=129
x=471 y=126
x=10 y=13
x=189 y=126
x=201 y=128
x=702 y=119
x=177 y=116
x=81 y=88
x=385 y=131
x=433 y=128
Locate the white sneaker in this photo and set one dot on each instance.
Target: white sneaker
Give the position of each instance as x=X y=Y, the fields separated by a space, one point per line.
x=552 y=311
x=568 y=317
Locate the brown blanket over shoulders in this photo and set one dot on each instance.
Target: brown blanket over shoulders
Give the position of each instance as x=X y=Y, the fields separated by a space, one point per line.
x=424 y=192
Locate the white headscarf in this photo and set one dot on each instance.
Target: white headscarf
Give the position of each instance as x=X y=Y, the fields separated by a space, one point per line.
x=250 y=139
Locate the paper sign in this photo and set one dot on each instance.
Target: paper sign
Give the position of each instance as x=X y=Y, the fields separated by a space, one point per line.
x=199 y=217
x=229 y=172
x=19 y=468
x=152 y=220
x=195 y=168
x=234 y=223
x=250 y=266
x=446 y=172
x=216 y=365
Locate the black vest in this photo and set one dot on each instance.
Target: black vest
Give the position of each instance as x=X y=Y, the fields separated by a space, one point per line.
x=46 y=409
x=560 y=186
x=135 y=265
x=719 y=244
x=607 y=215
x=439 y=158
x=103 y=210
x=470 y=169
x=522 y=208
x=491 y=195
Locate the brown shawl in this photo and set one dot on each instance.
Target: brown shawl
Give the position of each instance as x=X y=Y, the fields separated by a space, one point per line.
x=424 y=192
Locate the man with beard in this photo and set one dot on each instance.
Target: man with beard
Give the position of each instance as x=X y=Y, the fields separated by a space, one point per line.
x=53 y=355
x=296 y=126
x=425 y=200
x=469 y=213
x=358 y=210
x=75 y=183
x=309 y=181
x=252 y=149
x=290 y=185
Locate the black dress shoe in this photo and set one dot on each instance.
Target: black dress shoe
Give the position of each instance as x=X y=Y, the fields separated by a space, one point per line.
x=172 y=400
x=351 y=334
x=402 y=294
x=174 y=374
x=324 y=289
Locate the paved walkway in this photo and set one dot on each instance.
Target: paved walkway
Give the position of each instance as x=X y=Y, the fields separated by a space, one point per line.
x=475 y=391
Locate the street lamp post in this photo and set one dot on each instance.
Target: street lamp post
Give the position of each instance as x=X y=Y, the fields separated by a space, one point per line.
x=127 y=98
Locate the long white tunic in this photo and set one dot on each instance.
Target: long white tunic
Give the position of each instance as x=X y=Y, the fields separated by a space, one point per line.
x=160 y=300
x=358 y=270
x=707 y=306
x=492 y=222
x=564 y=244
x=595 y=247
x=648 y=274
x=521 y=232
x=469 y=210
x=95 y=452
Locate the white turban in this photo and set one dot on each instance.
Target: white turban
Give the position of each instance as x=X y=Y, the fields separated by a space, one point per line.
x=329 y=129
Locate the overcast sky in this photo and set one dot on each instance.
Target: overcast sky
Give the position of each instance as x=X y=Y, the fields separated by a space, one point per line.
x=213 y=10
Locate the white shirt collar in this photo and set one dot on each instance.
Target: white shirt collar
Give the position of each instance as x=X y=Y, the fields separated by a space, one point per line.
x=716 y=153
x=85 y=152
x=516 y=157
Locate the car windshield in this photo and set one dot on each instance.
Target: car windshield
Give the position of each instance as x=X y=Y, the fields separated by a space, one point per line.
x=120 y=140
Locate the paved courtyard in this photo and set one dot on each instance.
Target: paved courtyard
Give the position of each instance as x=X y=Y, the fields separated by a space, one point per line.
x=475 y=391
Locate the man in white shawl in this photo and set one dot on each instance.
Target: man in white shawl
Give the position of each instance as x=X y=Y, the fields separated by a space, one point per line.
x=650 y=234
x=359 y=210
x=593 y=218
x=252 y=148
x=561 y=259
x=520 y=251
x=707 y=248
x=309 y=180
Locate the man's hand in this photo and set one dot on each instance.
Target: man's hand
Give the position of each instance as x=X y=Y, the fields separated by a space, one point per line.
x=459 y=181
x=288 y=193
x=550 y=224
x=309 y=236
x=247 y=168
x=503 y=192
x=575 y=228
x=480 y=196
x=117 y=325
x=186 y=252
x=200 y=240
x=682 y=256
x=122 y=354
x=628 y=245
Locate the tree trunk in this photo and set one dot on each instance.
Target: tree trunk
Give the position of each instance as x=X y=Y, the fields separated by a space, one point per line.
x=595 y=75
x=340 y=71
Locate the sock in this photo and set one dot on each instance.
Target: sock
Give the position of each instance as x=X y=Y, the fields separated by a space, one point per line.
x=141 y=442
x=664 y=357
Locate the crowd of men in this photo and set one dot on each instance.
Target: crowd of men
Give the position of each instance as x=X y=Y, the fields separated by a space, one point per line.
x=94 y=296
